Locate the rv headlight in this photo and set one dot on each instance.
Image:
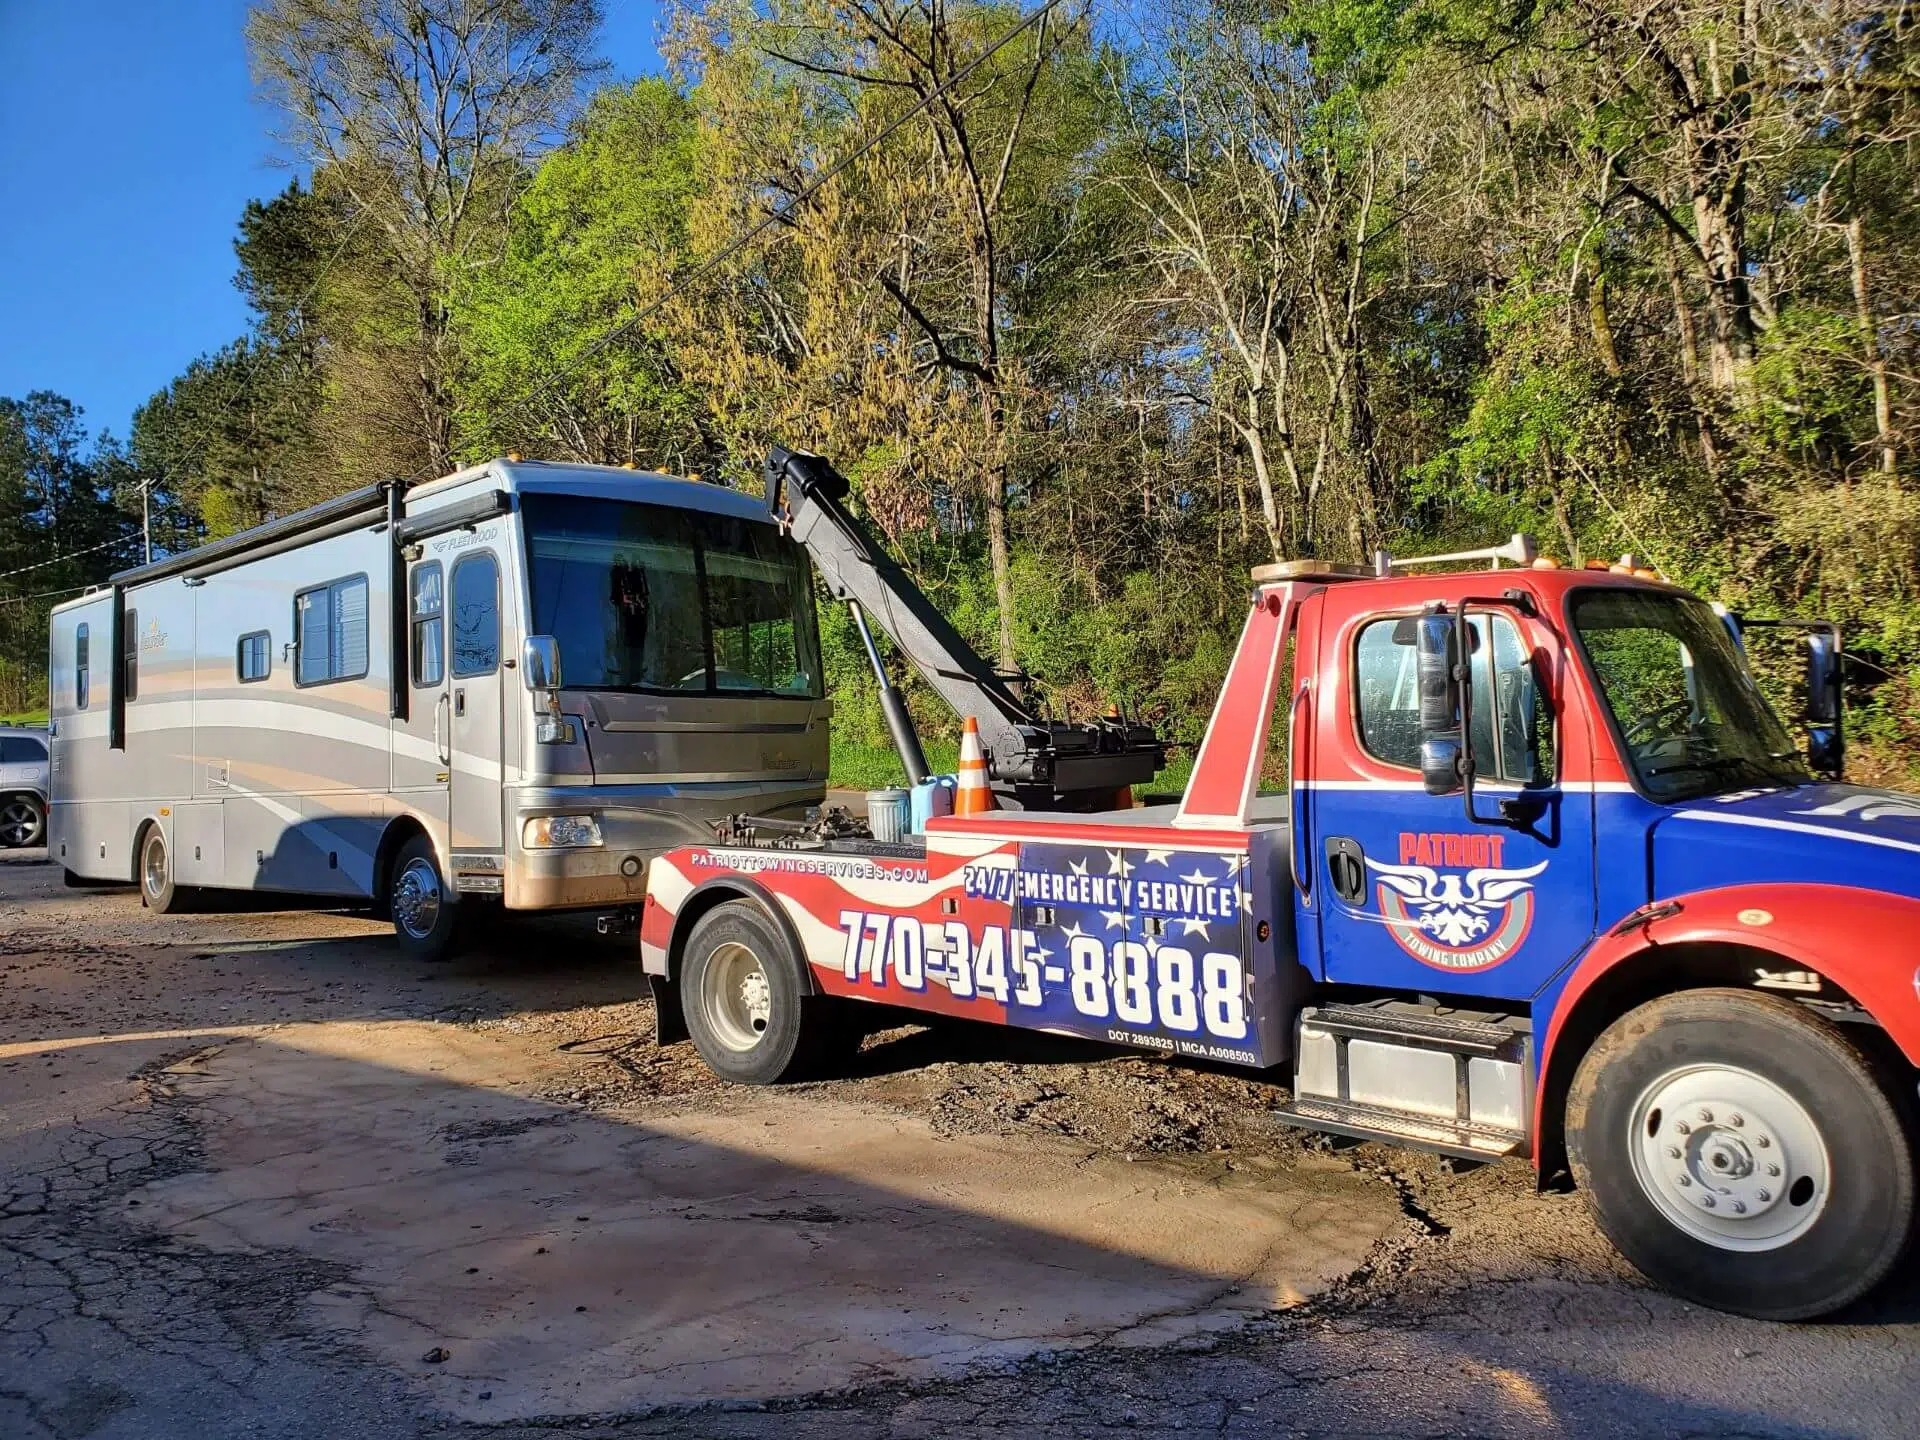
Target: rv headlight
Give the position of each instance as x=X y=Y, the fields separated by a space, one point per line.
x=560 y=832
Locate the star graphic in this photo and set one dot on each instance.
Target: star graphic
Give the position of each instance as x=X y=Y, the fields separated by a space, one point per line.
x=1039 y=955
x=1073 y=931
x=1159 y=857
x=1192 y=927
x=1233 y=865
x=1114 y=918
x=1197 y=876
x=1078 y=867
x=1118 y=864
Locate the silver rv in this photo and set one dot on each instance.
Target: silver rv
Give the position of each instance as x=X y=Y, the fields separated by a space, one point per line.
x=513 y=685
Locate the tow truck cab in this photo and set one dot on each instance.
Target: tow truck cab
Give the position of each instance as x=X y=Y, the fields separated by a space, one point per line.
x=1542 y=874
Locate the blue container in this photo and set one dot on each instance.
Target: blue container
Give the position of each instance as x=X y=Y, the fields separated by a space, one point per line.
x=887 y=813
x=932 y=796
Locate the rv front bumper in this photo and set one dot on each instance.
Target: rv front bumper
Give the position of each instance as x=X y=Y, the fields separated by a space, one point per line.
x=633 y=824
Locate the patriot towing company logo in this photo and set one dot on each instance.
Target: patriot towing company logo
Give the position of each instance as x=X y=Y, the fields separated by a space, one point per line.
x=1449 y=904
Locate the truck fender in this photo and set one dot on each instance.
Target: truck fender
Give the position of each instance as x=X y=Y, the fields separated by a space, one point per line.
x=1866 y=942
x=670 y=912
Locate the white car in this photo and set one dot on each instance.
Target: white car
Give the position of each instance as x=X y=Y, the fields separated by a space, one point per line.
x=23 y=787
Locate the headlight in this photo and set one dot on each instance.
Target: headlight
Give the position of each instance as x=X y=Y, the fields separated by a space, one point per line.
x=560 y=832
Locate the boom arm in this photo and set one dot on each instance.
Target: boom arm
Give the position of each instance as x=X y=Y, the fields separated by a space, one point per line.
x=1037 y=763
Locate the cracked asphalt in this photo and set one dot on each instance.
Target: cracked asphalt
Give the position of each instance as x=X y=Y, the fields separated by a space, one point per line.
x=259 y=1176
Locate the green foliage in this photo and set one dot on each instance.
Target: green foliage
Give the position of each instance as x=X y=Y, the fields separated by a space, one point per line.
x=594 y=238
x=62 y=527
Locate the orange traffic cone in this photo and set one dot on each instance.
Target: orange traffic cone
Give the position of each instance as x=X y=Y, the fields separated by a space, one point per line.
x=974 y=796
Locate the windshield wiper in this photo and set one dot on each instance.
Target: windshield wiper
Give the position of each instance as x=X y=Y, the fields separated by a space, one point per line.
x=1720 y=764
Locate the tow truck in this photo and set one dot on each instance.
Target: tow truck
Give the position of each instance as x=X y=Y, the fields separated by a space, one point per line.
x=1543 y=876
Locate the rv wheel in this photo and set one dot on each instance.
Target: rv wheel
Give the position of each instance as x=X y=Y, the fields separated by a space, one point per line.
x=748 y=1005
x=1741 y=1151
x=425 y=917
x=157 y=890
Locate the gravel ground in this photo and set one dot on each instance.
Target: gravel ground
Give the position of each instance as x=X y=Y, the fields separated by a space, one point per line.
x=1488 y=1309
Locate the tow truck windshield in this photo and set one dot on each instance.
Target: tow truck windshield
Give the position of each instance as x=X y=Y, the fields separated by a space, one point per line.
x=1689 y=715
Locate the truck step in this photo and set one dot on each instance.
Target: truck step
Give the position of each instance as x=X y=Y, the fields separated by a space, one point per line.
x=1462 y=1140
x=1450 y=1032
x=1457 y=1084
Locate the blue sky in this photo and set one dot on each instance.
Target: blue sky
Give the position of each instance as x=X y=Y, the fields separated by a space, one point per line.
x=130 y=140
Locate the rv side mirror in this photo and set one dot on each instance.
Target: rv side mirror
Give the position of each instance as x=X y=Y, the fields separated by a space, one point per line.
x=1437 y=653
x=540 y=663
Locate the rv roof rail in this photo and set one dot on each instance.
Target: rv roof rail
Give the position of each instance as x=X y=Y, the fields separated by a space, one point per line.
x=363 y=506
x=1520 y=551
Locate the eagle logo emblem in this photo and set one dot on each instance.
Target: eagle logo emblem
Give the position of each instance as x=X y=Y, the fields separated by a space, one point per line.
x=1454 y=920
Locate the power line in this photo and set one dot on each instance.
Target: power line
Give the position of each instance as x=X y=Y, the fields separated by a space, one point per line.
x=43 y=595
x=62 y=559
x=806 y=193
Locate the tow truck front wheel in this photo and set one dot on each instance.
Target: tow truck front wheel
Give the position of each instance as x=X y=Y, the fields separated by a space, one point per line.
x=747 y=1003
x=1742 y=1152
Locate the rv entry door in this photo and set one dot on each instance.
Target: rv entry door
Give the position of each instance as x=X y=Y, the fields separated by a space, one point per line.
x=422 y=752
x=475 y=722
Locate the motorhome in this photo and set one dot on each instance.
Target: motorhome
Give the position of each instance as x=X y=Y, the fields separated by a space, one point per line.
x=512 y=686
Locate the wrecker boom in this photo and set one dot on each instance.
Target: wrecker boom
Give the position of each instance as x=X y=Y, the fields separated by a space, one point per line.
x=1035 y=762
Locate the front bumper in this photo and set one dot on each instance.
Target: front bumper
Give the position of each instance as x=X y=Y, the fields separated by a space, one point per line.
x=637 y=822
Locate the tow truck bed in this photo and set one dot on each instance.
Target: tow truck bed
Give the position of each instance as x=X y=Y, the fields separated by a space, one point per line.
x=1118 y=927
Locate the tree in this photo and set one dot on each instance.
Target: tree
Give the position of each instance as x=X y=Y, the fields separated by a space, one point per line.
x=61 y=529
x=425 y=116
x=594 y=239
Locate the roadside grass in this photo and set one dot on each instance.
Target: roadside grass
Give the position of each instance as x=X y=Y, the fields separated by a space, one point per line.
x=855 y=766
x=25 y=717
x=869 y=767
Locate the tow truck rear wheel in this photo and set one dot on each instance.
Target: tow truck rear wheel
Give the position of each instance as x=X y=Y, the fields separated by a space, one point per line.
x=1741 y=1151
x=747 y=1003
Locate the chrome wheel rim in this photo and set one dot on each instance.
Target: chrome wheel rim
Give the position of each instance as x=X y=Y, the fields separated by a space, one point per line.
x=735 y=998
x=153 y=865
x=1729 y=1157
x=416 y=898
x=19 y=823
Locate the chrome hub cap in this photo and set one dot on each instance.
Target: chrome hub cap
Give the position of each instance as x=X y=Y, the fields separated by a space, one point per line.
x=1729 y=1157
x=735 y=998
x=416 y=899
x=153 y=866
x=19 y=823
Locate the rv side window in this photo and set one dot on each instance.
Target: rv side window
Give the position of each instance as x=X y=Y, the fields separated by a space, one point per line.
x=476 y=616
x=81 y=675
x=130 y=656
x=255 y=660
x=429 y=635
x=330 y=632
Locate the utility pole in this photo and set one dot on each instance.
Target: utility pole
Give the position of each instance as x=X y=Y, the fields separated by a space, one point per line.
x=146 y=520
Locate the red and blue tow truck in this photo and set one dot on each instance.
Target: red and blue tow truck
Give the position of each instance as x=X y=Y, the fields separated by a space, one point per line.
x=1508 y=861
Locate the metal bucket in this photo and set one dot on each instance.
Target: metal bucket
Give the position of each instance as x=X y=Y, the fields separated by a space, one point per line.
x=887 y=812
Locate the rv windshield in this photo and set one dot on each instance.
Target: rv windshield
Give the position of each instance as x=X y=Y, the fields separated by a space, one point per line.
x=647 y=597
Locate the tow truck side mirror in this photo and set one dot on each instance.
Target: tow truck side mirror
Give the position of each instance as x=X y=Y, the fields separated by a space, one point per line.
x=1826 y=740
x=1437 y=660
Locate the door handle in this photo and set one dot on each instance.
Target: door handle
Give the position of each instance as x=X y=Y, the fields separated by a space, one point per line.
x=440 y=729
x=460 y=702
x=1347 y=869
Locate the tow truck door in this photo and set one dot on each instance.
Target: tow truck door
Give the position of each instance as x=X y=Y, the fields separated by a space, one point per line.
x=1413 y=894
